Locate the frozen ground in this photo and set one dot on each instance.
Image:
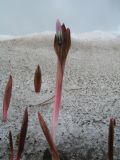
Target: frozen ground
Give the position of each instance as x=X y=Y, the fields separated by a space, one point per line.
x=91 y=94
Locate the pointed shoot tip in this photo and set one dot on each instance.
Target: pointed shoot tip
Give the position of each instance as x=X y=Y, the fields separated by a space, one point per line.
x=58 y=27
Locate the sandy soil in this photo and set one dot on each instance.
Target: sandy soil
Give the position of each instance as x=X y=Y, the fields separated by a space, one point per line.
x=91 y=94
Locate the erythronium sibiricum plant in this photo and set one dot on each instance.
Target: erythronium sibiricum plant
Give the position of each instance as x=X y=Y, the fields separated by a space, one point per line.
x=11 y=157
x=53 y=148
x=22 y=137
x=62 y=43
x=111 y=138
x=7 y=98
x=37 y=79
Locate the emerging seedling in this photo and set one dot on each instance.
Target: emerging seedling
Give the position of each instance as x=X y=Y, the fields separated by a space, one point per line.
x=111 y=138
x=7 y=97
x=11 y=147
x=53 y=149
x=62 y=43
x=37 y=79
x=22 y=137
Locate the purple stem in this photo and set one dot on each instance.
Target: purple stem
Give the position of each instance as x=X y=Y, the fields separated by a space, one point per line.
x=57 y=103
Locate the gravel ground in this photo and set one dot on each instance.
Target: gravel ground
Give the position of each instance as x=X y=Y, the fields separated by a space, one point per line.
x=91 y=95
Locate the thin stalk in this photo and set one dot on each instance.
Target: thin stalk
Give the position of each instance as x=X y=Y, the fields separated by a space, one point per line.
x=58 y=93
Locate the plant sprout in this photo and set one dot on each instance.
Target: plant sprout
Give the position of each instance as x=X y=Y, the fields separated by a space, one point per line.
x=22 y=137
x=37 y=79
x=53 y=149
x=11 y=146
x=111 y=138
x=62 y=43
x=7 y=98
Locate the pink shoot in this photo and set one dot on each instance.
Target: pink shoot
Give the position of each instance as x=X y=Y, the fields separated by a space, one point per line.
x=37 y=79
x=11 y=146
x=23 y=133
x=62 y=43
x=111 y=138
x=48 y=136
x=58 y=27
x=7 y=97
